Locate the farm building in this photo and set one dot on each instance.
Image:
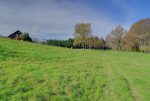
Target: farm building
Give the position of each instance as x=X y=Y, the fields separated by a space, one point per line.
x=16 y=35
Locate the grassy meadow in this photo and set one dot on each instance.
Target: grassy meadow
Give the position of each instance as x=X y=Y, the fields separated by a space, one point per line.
x=34 y=72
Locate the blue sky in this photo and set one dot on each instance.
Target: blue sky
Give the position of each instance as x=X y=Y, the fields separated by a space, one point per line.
x=47 y=19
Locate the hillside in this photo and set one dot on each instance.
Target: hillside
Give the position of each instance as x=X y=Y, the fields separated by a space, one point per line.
x=41 y=73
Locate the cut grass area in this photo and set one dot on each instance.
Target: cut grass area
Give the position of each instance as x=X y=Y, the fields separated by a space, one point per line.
x=41 y=73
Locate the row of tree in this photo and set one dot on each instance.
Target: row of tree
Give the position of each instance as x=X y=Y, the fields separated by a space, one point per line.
x=61 y=43
x=92 y=42
x=83 y=38
x=136 y=39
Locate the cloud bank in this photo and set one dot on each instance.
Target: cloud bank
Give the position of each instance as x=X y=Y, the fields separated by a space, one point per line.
x=53 y=18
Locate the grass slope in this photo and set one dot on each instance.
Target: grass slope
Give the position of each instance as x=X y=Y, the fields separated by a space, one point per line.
x=42 y=73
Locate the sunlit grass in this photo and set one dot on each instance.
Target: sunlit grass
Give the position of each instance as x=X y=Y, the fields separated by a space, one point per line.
x=41 y=73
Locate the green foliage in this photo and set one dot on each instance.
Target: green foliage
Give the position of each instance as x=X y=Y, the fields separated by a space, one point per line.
x=139 y=34
x=61 y=43
x=82 y=32
x=37 y=72
x=26 y=37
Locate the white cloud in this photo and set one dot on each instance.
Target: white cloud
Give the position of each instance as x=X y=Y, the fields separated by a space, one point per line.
x=39 y=17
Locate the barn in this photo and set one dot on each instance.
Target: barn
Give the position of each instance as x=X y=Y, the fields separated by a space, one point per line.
x=16 y=35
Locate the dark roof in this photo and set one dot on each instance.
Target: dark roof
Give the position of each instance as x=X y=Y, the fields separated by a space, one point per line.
x=14 y=34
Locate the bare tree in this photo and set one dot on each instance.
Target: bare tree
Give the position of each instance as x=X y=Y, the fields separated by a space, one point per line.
x=114 y=39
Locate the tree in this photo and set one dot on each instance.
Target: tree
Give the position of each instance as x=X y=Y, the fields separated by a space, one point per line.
x=139 y=36
x=61 y=43
x=102 y=44
x=70 y=43
x=96 y=42
x=81 y=34
x=26 y=37
x=114 y=39
x=108 y=41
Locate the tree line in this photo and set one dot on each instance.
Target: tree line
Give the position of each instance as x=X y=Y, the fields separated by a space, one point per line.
x=61 y=43
x=137 y=38
x=83 y=39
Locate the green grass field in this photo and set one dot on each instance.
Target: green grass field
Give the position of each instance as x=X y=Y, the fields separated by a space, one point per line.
x=34 y=72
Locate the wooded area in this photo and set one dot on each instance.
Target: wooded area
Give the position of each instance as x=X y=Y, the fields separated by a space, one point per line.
x=136 y=39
